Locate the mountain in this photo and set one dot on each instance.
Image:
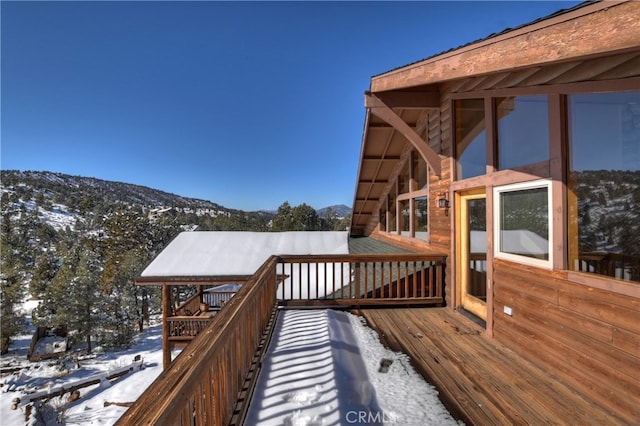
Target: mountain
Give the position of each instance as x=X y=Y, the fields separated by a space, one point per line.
x=62 y=201
x=339 y=210
x=72 y=189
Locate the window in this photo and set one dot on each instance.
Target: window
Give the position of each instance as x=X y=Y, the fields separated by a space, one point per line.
x=405 y=218
x=604 y=184
x=523 y=130
x=470 y=133
x=523 y=228
x=419 y=172
x=421 y=230
x=391 y=213
x=404 y=180
x=406 y=209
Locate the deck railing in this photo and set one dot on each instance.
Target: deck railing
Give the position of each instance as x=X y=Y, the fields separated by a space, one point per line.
x=359 y=280
x=203 y=385
x=620 y=266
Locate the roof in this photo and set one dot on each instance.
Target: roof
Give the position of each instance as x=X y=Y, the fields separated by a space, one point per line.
x=534 y=54
x=493 y=35
x=236 y=253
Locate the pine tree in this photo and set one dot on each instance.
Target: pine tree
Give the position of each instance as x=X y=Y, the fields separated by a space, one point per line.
x=283 y=220
x=73 y=298
x=11 y=286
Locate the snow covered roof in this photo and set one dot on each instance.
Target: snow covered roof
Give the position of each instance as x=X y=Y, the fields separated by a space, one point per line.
x=236 y=253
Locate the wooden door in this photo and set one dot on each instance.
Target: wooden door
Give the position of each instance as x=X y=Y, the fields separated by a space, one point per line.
x=472 y=253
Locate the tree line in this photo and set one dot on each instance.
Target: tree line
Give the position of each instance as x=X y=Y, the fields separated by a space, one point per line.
x=83 y=274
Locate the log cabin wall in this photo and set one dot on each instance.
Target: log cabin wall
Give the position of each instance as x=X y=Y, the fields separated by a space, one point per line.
x=580 y=328
x=587 y=337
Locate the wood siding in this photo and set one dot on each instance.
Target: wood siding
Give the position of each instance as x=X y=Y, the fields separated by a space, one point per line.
x=587 y=337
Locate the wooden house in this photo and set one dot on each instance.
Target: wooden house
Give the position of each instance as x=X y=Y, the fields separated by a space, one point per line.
x=517 y=157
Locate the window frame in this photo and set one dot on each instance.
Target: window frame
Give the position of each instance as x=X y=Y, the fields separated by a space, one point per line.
x=497 y=204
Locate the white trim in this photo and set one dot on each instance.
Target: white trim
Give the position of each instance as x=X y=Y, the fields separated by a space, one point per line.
x=497 y=191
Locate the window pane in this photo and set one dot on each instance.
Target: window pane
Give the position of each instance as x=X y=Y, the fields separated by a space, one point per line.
x=419 y=172
x=383 y=219
x=524 y=223
x=405 y=212
x=391 y=212
x=404 y=179
x=523 y=130
x=420 y=218
x=604 y=184
x=471 y=150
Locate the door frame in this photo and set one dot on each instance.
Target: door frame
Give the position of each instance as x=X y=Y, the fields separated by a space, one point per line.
x=476 y=307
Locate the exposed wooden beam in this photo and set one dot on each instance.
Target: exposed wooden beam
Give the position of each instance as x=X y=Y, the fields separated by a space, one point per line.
x=410 y=100
x=386 y=158
x=373 y=181
x=381 y=110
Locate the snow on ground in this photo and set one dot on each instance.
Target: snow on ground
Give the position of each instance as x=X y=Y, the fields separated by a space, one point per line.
x=325 y=367
x=50 y=374
x=322 y=368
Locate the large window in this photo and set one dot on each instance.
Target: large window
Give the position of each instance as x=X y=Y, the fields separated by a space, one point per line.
x=523 y=130
x=406 y=210
x=470 y=133
x=604 y=184
x=522 y=230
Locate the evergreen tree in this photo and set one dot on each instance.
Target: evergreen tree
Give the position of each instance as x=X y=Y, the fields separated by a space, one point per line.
x=283 y=220
x=11 y=293
x=73 y=298
x=305 y=218
x=45 y=269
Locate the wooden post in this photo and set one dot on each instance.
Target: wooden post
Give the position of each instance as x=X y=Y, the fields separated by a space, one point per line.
x=166 y=311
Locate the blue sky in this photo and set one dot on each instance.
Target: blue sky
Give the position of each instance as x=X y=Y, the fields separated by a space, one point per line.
x=246 y=104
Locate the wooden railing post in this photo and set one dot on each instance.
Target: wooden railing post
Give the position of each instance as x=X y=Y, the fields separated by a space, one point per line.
x=166 y=311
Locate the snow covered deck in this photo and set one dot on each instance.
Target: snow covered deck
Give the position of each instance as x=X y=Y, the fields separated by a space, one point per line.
x=325 y=367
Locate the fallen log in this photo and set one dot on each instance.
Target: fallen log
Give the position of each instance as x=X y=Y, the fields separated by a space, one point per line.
x=74 y=386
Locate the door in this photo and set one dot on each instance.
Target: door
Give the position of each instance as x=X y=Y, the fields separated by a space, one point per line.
x=472 y=254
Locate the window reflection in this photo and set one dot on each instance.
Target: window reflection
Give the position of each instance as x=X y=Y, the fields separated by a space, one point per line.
x=420 y=218
x=471 y=150
x=524 y=223
x=604 y=184
x=419 y=172
x=404 y=179
x=523 y=130
x=405 y=218
x=391 y=213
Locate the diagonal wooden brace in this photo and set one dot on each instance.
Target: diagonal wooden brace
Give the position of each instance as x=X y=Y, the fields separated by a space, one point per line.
x=381 y=110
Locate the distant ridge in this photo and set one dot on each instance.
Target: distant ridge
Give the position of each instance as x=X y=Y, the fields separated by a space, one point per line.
x=58 y=184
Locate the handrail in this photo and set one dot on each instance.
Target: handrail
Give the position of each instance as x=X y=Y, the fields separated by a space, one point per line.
x=365 y=279
x=202 y=385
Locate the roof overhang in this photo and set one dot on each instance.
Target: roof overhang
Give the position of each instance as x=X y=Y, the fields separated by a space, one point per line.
x=399 y=98
x=590 y=30
x=390 y=128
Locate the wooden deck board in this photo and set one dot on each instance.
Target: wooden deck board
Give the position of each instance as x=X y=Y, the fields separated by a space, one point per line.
x=480 y=380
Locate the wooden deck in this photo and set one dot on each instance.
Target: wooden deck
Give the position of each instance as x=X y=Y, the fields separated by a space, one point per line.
x=480 y=381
